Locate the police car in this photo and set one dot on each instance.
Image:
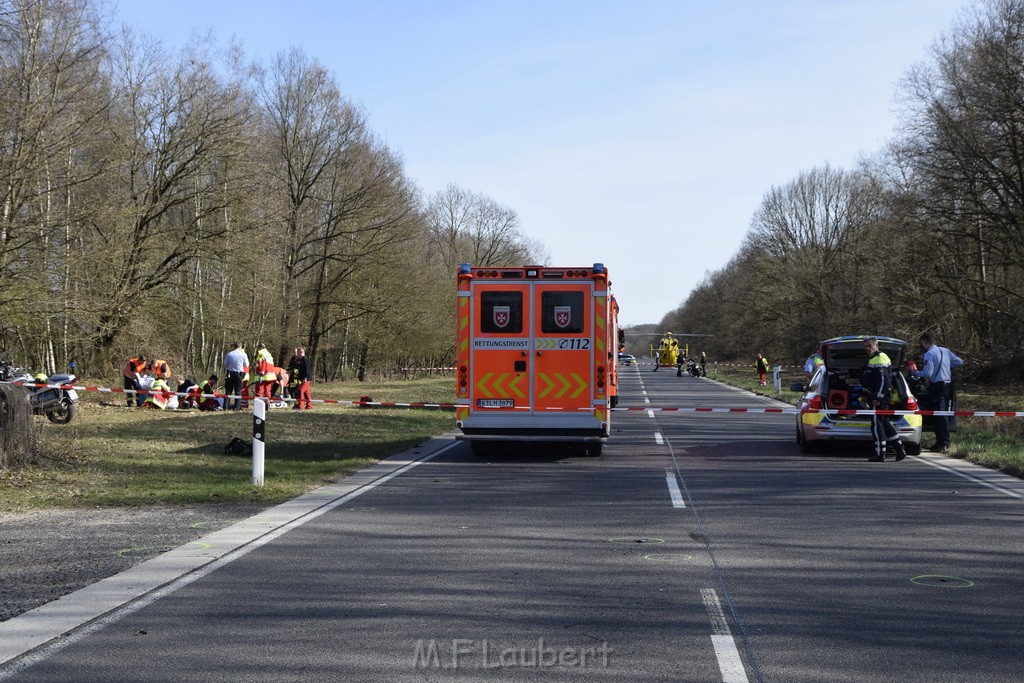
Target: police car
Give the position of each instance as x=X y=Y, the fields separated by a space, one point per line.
x=627 y=358
x=836 y=385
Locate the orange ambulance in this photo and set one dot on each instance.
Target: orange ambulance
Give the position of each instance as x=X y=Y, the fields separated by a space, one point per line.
x=536 y=355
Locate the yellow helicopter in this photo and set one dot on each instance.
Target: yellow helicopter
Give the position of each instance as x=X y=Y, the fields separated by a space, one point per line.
x=667 y=353
x=671 y=350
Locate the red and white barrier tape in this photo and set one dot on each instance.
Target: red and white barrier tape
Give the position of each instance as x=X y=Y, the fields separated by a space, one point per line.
x=115 y=390
x=753 y=367
x=449 y=406
x=827 y=411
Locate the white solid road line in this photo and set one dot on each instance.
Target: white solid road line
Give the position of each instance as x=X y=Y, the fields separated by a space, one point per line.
x=673 y=489
x=75 y=616
x=729 y=661
x=958 y=465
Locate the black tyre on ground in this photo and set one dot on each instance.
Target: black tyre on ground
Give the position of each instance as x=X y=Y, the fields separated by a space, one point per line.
x=63 y=414
x=806 y=446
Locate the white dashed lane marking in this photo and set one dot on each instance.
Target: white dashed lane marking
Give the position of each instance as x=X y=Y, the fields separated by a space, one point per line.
x=673 y=489
x=729 y=661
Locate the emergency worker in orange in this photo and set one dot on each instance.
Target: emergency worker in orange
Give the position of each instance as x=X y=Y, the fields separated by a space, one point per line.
x=132 y=372
x=302 y=375
x=265 y=372
x=281 y=385
x=159 y=369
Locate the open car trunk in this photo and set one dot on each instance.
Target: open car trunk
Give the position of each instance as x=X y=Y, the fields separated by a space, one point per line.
x=845 y=358
x=847 y=353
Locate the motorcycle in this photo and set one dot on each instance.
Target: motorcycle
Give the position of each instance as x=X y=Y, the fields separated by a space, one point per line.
x=57 y=404
x=693 y=368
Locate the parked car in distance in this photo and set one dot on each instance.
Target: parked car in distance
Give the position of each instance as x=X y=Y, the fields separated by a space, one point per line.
x=627 y=358
x=836 y=385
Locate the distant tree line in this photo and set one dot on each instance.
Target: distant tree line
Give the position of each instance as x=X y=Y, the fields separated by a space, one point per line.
x=928 y=234
x=170 y=202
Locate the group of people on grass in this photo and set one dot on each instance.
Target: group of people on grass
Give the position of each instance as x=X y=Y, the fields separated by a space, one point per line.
x=147 y=382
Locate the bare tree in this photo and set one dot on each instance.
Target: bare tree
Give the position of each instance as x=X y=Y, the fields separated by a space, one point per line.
x=965 y=145
x=51 y=96
x=467 y=227
x=175 y=134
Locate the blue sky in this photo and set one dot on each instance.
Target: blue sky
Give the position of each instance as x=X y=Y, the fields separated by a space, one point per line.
x=642 y=135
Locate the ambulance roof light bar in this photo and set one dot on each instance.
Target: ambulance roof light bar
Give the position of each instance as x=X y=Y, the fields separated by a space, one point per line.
x=465 y=269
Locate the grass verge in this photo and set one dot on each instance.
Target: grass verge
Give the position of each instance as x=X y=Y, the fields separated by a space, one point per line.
x=111 y=455
x=994 y=442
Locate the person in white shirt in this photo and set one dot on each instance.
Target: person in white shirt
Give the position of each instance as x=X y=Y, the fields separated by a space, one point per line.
x=236 y=363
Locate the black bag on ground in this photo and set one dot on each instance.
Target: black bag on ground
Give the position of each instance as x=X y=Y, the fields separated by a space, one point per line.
x=238 y=447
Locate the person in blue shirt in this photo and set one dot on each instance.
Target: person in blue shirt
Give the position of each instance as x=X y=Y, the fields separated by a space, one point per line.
x=938 y=365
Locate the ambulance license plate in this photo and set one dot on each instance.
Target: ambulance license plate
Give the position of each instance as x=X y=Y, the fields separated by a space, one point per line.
x=495 y=403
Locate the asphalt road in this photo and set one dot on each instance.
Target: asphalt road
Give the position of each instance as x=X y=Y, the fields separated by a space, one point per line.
x=700 y=547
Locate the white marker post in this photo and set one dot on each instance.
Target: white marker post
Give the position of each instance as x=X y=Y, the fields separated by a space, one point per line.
x=778 y=379
x=259 y=429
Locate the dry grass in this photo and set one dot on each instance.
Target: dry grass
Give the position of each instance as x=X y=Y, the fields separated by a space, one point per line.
x=112 y=455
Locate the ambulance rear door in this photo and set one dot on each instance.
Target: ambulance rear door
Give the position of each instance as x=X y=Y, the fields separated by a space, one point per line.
x=500 y=351
x=563 y=352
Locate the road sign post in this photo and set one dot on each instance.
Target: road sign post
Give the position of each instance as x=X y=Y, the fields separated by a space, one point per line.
x=259 y=432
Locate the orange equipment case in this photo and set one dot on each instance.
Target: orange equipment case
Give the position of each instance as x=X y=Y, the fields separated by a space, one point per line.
x=536 y=355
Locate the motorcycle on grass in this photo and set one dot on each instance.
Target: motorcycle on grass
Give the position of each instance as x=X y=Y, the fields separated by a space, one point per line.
x=56 y=403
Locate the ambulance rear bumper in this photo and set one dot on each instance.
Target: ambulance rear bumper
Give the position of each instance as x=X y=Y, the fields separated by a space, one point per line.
x=534 y=435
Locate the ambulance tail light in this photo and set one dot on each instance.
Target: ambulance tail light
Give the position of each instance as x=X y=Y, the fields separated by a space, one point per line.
x=463 y=379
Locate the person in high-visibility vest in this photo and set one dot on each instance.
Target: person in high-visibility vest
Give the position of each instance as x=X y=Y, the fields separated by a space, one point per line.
x=132 y=372
x=762 y=369
x=159 y=394
x=265 y=372
x=876 y=388
x=208 y=402
x=813 y=362
x=159 y=369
